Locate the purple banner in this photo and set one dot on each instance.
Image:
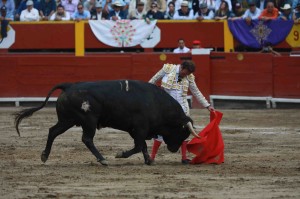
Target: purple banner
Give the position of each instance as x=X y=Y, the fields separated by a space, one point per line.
x=260 y=33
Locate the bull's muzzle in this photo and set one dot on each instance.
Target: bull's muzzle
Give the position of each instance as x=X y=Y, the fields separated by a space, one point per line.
x=173 y=150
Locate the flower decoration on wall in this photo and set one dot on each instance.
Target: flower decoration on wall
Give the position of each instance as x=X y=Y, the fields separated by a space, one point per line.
x=123 y=32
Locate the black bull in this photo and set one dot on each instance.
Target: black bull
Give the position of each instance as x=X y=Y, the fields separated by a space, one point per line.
x=142 y=109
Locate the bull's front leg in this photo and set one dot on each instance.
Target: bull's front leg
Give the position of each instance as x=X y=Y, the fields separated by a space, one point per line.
x=146 y=155
x=127 y=154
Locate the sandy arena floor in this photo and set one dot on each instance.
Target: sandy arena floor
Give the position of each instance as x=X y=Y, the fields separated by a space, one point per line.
x=262 y=160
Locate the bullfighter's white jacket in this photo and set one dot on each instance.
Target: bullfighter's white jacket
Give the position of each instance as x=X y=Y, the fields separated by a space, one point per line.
x=178 y=90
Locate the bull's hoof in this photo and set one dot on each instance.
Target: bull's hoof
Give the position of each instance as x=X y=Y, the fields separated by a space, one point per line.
x=103 y=162
x=149 y=161
x=44 y=157
x=120 y=155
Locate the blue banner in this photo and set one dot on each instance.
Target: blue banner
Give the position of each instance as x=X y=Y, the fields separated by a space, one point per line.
x=260 y=33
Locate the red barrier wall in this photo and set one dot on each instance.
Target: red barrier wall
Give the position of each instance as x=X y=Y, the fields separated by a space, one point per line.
x=34 y=75
x=44 y=36
x=247 y=74
x=286 y=76
x=252 y=75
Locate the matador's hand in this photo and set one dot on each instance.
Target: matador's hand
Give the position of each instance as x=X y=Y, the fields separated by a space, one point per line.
x=210 y=108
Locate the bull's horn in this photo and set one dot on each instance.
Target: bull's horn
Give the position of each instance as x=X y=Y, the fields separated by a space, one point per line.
x=190 y=126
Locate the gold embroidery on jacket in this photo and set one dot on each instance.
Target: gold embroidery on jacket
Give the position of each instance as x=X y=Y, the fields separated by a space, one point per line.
x=171 y=82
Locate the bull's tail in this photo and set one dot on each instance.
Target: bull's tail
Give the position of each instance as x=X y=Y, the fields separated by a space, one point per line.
x=19 y=116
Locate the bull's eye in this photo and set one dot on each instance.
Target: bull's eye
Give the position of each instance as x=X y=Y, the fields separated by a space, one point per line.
x=183 y=126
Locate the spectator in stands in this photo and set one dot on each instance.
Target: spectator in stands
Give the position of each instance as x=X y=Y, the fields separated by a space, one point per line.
x=238 y=11
x=107 y=5
x=4 y=22
x=269 y=13
x=23 y=6
x=223 y=12
x=161 y=5
x=4 y=19
x=117 y=13
x=81 y=14
x=181 y=47
x=204 y=13
x=60 y=14
x=139 y=12
x=10 y=8
x=286 y=12
x=30 y=13
x=211 y=4
x=70 y=6
x=296 y=14
x=177 y=4
x=47 y=8
x=133 y=4
x=184 y=13
x=251 y=13
x=154 y=13
x=89 y=5
x=3 y=10
x=169 y=14
x=219 y=2
x=97 y=13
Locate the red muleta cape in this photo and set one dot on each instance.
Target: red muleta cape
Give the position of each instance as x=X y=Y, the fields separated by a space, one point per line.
x=210 y=147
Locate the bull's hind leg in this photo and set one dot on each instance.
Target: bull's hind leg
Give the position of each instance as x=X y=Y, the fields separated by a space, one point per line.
x=54 y=131
x=87 y=139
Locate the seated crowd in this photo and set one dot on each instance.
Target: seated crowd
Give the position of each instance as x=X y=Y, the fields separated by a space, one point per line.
x=64 y=10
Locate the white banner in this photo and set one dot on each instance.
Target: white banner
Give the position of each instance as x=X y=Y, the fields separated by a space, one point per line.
x=9 y=40
x=152 y=40
x=121 y=33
